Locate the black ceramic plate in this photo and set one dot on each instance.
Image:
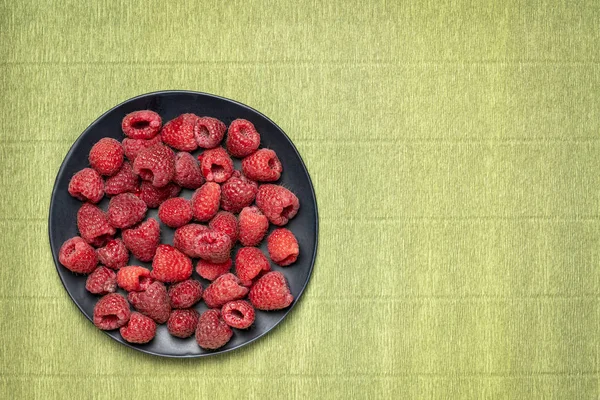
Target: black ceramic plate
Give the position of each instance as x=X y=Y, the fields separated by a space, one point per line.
x=169 y=104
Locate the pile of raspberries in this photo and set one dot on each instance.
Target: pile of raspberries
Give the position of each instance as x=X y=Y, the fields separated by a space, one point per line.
x=143 y=171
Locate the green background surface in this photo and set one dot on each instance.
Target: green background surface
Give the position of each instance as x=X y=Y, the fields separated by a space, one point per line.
x=454 y=148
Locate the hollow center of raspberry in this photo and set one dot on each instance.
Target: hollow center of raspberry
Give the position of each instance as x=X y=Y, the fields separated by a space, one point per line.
x=217 y=170
x=271 y=163
x=244 y=132
x=287 y=210
x=110 y=319
x=146 y=174
x=237 y=314
x=289 y=259
x=140 y=124
x=202 y=131
x=100 y=240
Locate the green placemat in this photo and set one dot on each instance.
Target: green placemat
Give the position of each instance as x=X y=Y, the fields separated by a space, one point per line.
x=454 y=148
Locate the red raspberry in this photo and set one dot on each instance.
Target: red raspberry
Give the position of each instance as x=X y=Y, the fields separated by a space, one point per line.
x=182 y=323
x=227 y=223
x=187 y=171
x=170 y=265
x=238 y=192
x=143 y=240
x=238 y=314
x=283 y=247
x=209 y=132
x=139 y=329
x=223 y=289
x=114 y=255
x=101 y=281
x=262 y=166
x=93 y=225
x=143 y=124
x=242 y=138
x=106 y=156
x=185 y=294
x=175 y=212
x=212 y=332
x=133 y=147
x=271 y=292
x=152 y=302
x=78 y=256
x=179 y=132
x=155 y=164
x=134 y=278
x=111 y=312
x=212 y=271
x=249 y=262
x=216 y=165
x=154 y=197
x=125 y=210
x=123 y=181
x=184 y=238
x=205 y=201
x=277 y=203
x=87 y=185
x=253 y=226
x=213 y=246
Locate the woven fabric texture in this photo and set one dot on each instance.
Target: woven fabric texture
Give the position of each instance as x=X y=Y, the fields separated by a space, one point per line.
x=455 y=152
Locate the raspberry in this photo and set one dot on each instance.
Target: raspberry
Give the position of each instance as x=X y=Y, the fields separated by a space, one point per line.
x=134 y=278
x=224 y=289
x=132 y=147
x=106 y=156
x=123 y=181
x=271 y=292
x=277 y=203
x=205 y=201
x=155 y=164
x=249 y=262
x=227 y=223
x=154 y=197
x=238 y=192
x=184 y=239
x=238 y=314
x=216 y=165
x=283 y=247
x=253 y=226
x=179 y=132
x=125 y=210
x=212 y=332
x=87 y=185
x=152 y=302
x=114 y=255
x=185 y=294
x=182 y=323
x=187 y=171
x=93 y=225
x=143 y=240
x=170 y=265
x=213 y=246
x=139 y=329
x=175 y=212
x=263 y=166
x=101 y=281
x=209 y=132
x=111 y=312
x=242 y=138
x=143 y=124
x=78 y=256
x=212 y=271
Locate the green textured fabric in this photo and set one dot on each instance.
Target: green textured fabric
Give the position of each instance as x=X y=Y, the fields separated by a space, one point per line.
x=454 y=148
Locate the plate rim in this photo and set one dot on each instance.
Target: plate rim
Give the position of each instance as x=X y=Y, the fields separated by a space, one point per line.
x=61 y=172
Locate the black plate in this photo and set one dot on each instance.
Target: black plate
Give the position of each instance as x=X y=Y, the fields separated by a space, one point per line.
x=169 y=104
